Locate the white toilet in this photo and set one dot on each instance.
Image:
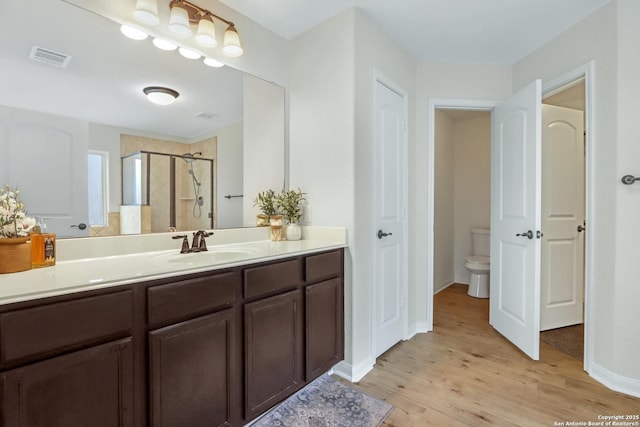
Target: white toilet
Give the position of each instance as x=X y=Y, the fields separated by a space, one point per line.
x=478 y=263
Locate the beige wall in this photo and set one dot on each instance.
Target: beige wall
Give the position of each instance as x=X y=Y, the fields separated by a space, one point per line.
x=472 y=185
x=443 y=239
x=462 y=198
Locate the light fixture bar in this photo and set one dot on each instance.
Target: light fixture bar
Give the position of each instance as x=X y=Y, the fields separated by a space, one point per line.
x=196 y=12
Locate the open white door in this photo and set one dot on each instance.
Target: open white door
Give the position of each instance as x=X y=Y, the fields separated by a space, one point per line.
x=516 y=218
x=562 y=217
x=389 y=279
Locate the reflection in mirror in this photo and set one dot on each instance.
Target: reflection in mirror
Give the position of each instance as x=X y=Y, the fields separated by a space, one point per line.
x=82 y=91
x=160 y=189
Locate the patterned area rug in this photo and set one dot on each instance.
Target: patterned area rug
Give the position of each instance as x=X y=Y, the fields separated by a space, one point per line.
x=569 y=340
x=327 y=402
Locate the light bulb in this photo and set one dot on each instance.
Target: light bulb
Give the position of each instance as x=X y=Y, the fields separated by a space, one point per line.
x=164 y=44
x=213 y=62
x=133 y=33
x=189 y=53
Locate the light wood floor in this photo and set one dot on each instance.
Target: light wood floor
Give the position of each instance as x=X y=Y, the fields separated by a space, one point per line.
x=466 y=374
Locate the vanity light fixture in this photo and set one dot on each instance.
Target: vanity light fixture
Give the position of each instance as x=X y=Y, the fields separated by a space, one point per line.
x=179 y=19
x=189 y=53
x=232 y=45
x=146 y=11
x=160 y=95
x=163 y=44
x=213 y=62
x=183 y=15
x=133 y=33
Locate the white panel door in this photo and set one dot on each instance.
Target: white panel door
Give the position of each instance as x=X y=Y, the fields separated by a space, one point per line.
x=389 y=281
x=562 y=278
x=45 y=156
x=515 y=219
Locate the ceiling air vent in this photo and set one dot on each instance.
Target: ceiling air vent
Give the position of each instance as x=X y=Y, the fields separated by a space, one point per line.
x=49 y=56
x=205 y=115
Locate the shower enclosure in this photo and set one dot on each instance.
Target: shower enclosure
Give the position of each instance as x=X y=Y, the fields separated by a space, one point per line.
x=178 y=188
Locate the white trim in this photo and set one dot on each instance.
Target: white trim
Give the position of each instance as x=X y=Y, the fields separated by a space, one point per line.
x=585 y=71
x=104 y=160
x=379 y=77
x=435 y=103
x=614 y=381
x=353 y=373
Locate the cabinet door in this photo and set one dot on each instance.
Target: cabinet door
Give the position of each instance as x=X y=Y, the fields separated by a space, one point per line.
x=192 y=365
x=273 y=346
x=92 y=387
x=324 y=327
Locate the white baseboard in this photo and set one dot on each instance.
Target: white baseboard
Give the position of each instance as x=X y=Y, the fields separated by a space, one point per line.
x=417 y=328
x=615 y=381
x=353 y=373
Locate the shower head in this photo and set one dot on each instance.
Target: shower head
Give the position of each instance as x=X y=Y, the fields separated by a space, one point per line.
x=190 y=157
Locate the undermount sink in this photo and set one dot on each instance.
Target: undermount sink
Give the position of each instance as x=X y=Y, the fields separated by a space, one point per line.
x=211 y=256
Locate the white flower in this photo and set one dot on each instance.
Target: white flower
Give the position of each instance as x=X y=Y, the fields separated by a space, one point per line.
x=14 y=221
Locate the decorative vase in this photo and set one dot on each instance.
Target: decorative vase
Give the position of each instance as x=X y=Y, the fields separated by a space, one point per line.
x=262 y=220
x=275 y=225
x=293 y=231
x=15 y=254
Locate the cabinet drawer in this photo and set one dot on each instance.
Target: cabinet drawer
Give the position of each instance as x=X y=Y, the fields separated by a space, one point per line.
x=323 y=265
x=61 y=326
x=272 y=277
x=187 y=298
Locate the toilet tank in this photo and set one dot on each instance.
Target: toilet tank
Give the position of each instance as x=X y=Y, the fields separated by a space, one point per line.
x=480 y=241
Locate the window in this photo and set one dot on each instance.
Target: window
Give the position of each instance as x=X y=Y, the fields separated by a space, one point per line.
x=98 y=190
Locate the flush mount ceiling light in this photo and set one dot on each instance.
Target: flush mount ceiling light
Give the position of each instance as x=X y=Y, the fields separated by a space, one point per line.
x=160 y=95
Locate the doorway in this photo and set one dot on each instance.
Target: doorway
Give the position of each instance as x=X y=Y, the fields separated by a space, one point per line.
x=556 y=88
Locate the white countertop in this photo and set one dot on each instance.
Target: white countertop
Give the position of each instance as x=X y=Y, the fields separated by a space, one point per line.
x=86 y=274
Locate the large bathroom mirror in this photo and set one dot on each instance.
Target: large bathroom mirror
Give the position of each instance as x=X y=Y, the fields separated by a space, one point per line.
x=72 y=108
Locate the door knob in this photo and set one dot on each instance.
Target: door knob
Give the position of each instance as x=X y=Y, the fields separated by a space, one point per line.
x=382 y=234
x=81 y=226
x=527 y=234
x=581 y=228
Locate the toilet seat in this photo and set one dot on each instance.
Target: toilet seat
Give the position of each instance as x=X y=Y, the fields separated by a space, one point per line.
x=477 y=259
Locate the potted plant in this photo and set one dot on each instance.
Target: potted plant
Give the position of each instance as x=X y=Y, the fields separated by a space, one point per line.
x=290 y=204
x=15 y=253
x=266 y=203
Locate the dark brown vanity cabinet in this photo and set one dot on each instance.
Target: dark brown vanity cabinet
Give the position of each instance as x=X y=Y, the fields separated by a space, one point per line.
x=324 y=312
x=68 y=363
x=274 y=350
x=191 y=372
x=194 y=360
x=207 y=349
